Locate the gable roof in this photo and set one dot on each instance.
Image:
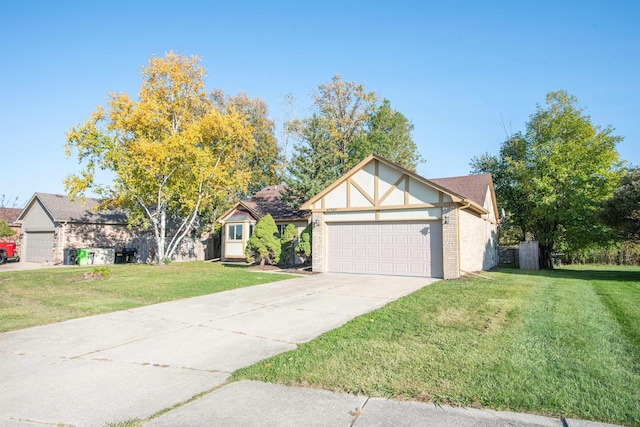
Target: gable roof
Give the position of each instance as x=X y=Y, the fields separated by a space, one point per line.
x=472 y=187
x=268 y=201
x=61 y=209
x=456 y=196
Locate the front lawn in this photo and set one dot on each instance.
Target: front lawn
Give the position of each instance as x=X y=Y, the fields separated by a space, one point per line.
x=37 y=297
x=560 y=343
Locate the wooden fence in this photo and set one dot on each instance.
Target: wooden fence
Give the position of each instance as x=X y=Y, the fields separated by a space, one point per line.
x=528 y=255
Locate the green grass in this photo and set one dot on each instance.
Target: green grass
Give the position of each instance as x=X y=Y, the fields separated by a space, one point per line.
x=560 y=343
x=37 y=297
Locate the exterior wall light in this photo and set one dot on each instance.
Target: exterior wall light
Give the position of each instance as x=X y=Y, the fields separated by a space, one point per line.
x=446 y=219
x=316 y=223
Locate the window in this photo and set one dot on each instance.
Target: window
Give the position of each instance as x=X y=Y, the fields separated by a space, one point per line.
x=234 y=232
x=251 y=229
x=281 y=228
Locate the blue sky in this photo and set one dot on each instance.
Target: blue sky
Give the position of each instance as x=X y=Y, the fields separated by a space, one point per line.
x=458 y=70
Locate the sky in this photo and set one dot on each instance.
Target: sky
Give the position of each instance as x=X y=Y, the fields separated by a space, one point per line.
x=465 y=73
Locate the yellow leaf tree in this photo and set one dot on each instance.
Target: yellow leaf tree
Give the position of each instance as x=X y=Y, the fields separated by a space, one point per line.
x=172 y=151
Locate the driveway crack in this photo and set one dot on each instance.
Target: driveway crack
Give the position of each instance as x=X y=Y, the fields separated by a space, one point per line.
x=357 y=412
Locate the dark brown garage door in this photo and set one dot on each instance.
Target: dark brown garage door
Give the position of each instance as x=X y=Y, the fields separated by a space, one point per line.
x=392 y=248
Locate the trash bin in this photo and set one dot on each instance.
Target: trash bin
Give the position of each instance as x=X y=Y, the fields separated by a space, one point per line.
x=82 y=256
x=129 y=255
x=126 y=256
x=70 y=256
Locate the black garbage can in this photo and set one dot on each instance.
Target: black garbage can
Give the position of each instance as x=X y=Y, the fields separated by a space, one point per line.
x=129 y=255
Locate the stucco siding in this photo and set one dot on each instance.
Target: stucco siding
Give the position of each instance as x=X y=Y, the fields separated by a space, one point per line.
x=407 y=214
x=37 y=219
x=350 y=216
x=478 y=249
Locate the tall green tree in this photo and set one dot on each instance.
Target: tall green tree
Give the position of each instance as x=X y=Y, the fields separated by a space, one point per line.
x=313 y=166
x=388 y=133
x=172 y=151
x=622 y=211
x=512 y=185
x=348 y=123
x=554 y=177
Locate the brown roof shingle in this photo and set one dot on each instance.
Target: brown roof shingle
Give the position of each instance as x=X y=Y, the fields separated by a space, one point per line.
x=269 y=201
x=472 y=187
x=9 y=214
x=63 y=209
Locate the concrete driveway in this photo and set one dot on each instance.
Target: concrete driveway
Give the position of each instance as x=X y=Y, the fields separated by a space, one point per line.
x=134 y=363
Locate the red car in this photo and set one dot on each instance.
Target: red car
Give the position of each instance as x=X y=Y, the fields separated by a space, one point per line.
x=8 y=252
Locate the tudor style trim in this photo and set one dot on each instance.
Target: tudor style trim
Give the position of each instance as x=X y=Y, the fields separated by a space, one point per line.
x=377 y=199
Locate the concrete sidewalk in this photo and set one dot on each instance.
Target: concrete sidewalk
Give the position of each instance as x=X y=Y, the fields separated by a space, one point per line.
x=134 y=363
x=250 y=403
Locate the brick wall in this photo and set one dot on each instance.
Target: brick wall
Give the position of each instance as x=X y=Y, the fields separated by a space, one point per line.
x=450 y=259
x=317 y=238
x=76 y=236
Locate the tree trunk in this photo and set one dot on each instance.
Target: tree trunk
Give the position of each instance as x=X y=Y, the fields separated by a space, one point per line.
x=544 y=256
x=162 y=236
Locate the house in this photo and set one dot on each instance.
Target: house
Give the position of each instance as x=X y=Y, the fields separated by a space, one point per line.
x=10 y=215
x=54 y=226
x=380 y=218
x=239 y=221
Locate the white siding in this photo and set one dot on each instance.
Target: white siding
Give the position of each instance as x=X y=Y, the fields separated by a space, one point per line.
x=350 y=216
x=388 y=177
x=365 y=178
x=420 y=193
x=358 y=199
x=337 y=198
x=432 y=213
x=234 y=249
x=396 y=197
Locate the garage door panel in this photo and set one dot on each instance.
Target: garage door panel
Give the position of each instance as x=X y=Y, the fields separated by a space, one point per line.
x=39 y=246
x=373 y=268
x=403 y=248
x=401 y=254
x=386 y=268
x=386 y=254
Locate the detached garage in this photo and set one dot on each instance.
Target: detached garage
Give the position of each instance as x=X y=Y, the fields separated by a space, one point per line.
x=380 y=218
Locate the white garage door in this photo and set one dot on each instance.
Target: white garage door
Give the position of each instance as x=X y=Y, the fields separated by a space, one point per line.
x=393 y=248
x=39 y=246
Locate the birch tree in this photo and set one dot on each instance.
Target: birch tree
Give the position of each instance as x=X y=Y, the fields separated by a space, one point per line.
x=172 y=151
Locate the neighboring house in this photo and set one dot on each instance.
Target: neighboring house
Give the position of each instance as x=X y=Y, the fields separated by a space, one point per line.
x=239 y=221
x=53 y=225
x=10 y=215
x=380 y=218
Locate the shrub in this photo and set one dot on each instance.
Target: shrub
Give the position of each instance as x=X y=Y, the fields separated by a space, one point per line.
x=5 y=230
x=289 y=241
x=103 y=271
x=264 y=245
x=304 y=245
